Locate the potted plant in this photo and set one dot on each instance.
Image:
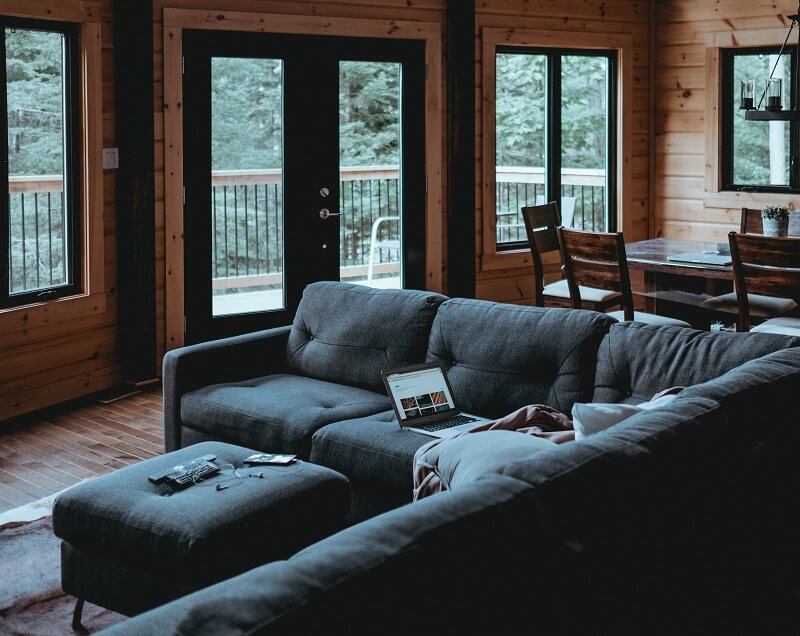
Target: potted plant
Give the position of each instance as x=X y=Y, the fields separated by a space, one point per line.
x=775 y=219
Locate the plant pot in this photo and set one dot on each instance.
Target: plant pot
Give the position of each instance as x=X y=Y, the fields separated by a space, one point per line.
x=776 y=227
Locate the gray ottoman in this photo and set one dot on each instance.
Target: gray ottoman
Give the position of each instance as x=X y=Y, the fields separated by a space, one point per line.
x=129 y=545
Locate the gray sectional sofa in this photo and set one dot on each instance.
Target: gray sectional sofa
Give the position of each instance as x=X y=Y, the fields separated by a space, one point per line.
x=680 y=520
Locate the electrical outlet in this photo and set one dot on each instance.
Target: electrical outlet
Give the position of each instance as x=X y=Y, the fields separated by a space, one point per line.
x=110 y=158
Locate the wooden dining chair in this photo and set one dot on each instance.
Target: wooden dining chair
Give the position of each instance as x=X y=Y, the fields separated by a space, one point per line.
x=769 y=266
x=761 y=306
x=598 y=260
x=751 y=222
x=541 y=223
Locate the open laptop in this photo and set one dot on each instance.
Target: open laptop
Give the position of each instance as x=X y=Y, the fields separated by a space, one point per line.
x=423 y=401
x=701 y=258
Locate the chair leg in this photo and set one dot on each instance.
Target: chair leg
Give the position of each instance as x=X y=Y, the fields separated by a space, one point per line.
x=76 y=617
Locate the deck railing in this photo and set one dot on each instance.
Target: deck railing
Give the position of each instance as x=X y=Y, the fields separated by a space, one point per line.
x=36 y=240
x=582 y=199
x=247 y=218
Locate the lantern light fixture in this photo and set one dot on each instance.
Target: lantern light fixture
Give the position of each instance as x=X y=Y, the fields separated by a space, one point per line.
x=773 y=89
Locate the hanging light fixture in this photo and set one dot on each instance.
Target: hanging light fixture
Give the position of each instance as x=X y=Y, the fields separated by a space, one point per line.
x=773 y=90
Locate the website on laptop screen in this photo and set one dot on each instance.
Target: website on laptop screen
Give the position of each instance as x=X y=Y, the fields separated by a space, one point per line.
x=420 y=393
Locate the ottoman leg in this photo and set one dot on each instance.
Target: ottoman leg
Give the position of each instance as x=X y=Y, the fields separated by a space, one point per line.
x=76 y=617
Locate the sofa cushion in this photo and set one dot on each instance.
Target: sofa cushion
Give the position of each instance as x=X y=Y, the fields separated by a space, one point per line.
x=277 y=413
x=349 y=333
x=761 y=396
x=636 y=361
x=500 y=357
x=371 y=449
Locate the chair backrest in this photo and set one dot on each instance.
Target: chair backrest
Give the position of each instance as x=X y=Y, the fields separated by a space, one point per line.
x=751 y=222
x=595 y=259
x=763 y=265
x=541 y=222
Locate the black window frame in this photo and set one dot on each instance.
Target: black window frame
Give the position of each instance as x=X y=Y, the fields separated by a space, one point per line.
x=72 y=167
x=553 y=150
x=728 y=108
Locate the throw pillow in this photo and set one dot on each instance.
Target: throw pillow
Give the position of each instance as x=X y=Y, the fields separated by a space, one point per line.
x=588 y=419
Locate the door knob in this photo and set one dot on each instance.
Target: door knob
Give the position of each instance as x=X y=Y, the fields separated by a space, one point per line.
x=324 y=213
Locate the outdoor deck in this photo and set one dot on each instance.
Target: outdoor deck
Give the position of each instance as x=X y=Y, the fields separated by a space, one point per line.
x=247 y=220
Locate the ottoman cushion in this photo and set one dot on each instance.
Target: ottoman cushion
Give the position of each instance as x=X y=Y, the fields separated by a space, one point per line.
x=201 y=533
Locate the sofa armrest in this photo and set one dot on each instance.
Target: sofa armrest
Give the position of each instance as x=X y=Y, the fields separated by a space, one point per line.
x=453 y=562
x=228 y=360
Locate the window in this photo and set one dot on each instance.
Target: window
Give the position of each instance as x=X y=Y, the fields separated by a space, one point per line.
x=41 y=226
x=756 y=155
x=555 y=120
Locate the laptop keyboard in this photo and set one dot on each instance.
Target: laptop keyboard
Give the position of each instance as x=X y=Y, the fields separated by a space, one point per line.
x=448 y=423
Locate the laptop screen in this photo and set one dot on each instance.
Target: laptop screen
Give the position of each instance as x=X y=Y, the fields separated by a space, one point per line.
x=419 y=393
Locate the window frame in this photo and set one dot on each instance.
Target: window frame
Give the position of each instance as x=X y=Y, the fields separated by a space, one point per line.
x=71 y=170
x=727 y=57
x=56 y=315
x=553 y=152
x=628 y=220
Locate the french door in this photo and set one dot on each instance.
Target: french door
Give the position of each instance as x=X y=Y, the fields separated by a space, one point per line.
x=304 y=161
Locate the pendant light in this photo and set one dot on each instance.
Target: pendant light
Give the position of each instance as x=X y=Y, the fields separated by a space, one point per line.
x=773 y=91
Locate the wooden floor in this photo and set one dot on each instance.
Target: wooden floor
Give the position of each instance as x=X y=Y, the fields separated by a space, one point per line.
x=43 y=454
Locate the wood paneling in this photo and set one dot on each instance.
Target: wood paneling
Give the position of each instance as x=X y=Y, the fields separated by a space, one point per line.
x=599 y=21
x=687 y=144
x=43 y=454
x=59 y=350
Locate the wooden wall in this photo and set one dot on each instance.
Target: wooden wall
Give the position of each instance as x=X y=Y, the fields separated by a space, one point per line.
x=423 y=10
x=683 y=208
x=56 y=361
x=611 y=16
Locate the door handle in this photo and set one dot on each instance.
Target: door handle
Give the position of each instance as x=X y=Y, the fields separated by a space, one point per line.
x=324 y=213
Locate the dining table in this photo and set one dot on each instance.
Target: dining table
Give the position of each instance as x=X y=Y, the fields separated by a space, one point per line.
x=678 y=289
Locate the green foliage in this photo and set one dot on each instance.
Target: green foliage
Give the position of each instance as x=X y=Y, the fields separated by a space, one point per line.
x=34 y=63
x=247 y=126
x=246 y=114
x=521 y=110
x=369 y=113
x=775 y=212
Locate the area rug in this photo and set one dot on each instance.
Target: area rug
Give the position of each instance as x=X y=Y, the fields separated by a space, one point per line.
x=31 y=600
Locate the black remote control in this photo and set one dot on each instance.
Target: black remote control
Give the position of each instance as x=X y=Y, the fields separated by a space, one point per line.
x=192 y=474
x=161 y=476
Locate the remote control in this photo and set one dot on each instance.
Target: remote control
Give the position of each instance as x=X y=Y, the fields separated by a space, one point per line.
x=192 y=475
x=161 y=476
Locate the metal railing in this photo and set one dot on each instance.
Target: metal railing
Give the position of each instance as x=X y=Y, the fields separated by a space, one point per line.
x=582 y=199
x=247 y=220
x=37 y=241
x=247 y=217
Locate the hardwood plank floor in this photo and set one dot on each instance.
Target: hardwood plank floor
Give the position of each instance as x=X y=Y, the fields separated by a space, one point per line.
x=43 y=453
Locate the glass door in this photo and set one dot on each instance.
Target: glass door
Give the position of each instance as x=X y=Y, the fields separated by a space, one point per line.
x=304 y=161
x=246 y=185
x=370 y=144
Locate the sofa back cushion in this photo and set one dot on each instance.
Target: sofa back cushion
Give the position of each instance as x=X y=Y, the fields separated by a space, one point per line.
x=348 y=333
x=500 y=357
x=636 y=361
